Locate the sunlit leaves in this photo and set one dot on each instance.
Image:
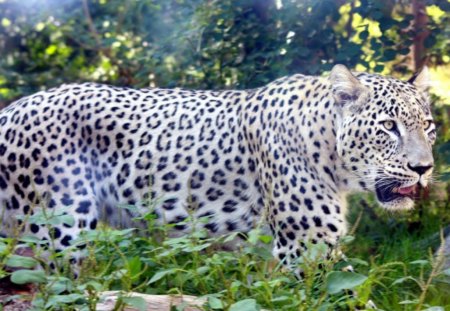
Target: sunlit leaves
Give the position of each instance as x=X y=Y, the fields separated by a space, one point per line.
x=221 y=45
x=5 y=22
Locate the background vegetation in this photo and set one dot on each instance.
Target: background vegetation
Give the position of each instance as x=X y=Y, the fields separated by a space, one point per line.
x=222 y=44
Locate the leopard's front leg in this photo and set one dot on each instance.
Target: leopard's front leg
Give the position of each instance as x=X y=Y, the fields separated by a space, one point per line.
x=291 y=248
x=294 y=233
x=301 y=222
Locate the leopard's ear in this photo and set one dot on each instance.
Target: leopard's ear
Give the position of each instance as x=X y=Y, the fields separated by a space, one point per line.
x=421 y=80
x=346 y=88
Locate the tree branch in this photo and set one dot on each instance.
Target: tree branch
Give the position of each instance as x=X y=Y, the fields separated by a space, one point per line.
x=91 y=24
x=421 y=33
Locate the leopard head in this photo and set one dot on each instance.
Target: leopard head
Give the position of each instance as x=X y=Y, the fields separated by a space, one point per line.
x=385 y=134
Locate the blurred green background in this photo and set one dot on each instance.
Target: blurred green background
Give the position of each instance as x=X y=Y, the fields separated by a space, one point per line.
x=223 y=44
x=214 y=44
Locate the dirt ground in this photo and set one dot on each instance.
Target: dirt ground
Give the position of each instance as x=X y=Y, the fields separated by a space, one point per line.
x=9 y=300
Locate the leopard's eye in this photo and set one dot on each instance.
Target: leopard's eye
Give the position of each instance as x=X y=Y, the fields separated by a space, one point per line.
x=389 y=125
x=427 y=124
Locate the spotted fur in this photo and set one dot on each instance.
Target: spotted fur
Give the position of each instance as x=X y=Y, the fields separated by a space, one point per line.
x=296 y=146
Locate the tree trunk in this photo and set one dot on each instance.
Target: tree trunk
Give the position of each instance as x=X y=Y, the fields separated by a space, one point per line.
x=421 y=33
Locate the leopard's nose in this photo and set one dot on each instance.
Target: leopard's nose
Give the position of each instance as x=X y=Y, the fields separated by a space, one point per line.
x=420 y=168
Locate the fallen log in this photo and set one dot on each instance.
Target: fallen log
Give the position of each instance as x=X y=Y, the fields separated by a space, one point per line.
x=153 y=302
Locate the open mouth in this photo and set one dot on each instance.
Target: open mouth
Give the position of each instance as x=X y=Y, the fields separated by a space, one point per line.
x=393 y=190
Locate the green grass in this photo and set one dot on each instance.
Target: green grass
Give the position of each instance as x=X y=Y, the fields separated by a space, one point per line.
x=390 y=252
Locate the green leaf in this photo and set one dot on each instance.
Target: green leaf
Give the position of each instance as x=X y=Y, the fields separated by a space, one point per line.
x=160 y=274
x=135 y=302
x=231 y=237
x=357 y=261
x=215 y=303
x=339 y=280
x=266 y=239
x=402 y=280
x=253 y=236
x=28 y=276
x=32 y=240
x=245 y=305
x=58 y=285
x=281 y=299
x=135 y=266
x=51 y=49
x=21 y=261
x=325 y=307
x=90 y=286
x=116 y=275
x=262 y=252
x=408 y=302
x=346 y=239
x=203 y=270
x=55 y=301
x=197 y=248
x=64 y=219
x=419 y=262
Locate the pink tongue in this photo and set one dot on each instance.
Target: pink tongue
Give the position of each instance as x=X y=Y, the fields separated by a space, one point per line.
x=406 y=190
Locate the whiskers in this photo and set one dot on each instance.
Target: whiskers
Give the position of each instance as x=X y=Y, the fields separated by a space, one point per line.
x=387 y=179
x=434 y=177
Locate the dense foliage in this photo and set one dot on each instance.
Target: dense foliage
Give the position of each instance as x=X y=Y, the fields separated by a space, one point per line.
x=209 y=44
x=218 y=44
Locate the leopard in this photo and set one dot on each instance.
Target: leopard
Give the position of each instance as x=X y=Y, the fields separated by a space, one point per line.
x=286 y=154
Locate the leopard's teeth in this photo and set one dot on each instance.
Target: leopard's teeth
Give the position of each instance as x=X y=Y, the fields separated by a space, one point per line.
x=395 y=190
